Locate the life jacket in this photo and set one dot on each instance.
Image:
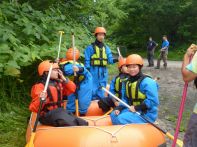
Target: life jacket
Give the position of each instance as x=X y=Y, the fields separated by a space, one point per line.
x=133 y=93
x=76 y=79
x=118 y=84
x=99 y=58
x=54 y=97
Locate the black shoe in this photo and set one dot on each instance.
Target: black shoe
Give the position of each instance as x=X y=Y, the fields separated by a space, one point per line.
x=157 y=68
x=82 y=114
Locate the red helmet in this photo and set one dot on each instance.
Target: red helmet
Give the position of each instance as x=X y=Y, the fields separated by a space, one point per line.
x=69 y=54
x=100 y=30
x=45 y=66
x=134 y=59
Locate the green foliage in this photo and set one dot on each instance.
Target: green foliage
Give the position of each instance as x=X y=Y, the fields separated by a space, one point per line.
x=155 y=18
x=31 y=33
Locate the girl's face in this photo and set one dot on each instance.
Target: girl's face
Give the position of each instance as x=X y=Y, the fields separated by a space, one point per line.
x=133 y=69
x=54 y=74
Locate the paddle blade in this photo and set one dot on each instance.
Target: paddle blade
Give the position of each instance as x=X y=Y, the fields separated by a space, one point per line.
x=31 y=141
x=77 y=107
x=178 y=142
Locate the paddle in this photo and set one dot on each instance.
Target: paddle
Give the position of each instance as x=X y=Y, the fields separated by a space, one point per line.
x=42 y=99
x=75 y=75
x=179 y=142
x=118 y=49
x=59 y=49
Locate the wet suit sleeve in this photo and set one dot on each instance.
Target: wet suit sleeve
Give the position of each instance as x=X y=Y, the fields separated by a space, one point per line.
x=150 y=88
x=109 y=55
x=88 y=53
x=35 y=95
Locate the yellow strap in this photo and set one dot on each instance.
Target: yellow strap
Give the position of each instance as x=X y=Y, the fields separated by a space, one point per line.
x=178 y=142
x=31 y=141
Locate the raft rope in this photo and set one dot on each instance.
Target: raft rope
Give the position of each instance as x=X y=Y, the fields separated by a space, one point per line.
x=95 y=120
x=113 y=134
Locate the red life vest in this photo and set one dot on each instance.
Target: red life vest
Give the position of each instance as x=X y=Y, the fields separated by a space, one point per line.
x=55 y=93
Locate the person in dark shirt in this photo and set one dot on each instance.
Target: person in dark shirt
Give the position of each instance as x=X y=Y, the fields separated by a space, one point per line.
x=151 y=45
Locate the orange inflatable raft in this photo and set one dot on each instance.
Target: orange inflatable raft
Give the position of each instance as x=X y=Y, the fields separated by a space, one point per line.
x=99 y=133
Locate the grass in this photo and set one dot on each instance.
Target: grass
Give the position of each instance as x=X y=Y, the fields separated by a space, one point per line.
x=13 y=112
x=113 y=71
x=13 y=126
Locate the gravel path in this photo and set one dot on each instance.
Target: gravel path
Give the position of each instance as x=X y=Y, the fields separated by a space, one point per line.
x=170 y=94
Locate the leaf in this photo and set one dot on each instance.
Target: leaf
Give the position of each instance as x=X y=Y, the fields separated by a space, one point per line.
x=13 y=63
x=4 y=48
x=9 y=70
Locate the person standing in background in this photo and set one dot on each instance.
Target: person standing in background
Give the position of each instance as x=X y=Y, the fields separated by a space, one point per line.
x=163 y=53
x=151 y=45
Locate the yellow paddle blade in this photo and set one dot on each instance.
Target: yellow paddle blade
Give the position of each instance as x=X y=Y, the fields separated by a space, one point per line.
x=178 y=142
x=61 y=32
x=77 y=107
x=31 y=141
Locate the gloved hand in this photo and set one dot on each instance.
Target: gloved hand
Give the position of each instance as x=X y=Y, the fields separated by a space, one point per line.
x=75 y=68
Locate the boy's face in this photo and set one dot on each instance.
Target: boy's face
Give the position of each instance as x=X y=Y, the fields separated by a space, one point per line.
x=100 y=37
x=133 y=69
x=54 y=74
x=124 y=69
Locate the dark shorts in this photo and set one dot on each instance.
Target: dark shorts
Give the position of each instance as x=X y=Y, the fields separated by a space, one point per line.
x=190 y=138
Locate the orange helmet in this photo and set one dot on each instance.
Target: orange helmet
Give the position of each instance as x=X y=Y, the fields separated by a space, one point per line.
x=121 y=62
x=45 y=66
x=134 y=59
x=100 y=30
x=69 y=54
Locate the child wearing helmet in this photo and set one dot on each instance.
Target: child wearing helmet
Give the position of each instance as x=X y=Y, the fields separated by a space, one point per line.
x=83 y=81
x=141 y=94
x=97 y=57
x=117 y=87
x=52 y=112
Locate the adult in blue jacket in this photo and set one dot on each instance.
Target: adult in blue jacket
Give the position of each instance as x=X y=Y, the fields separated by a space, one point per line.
x=163 y=53
x=83 y=81
x=97 y=57
x=141 y=95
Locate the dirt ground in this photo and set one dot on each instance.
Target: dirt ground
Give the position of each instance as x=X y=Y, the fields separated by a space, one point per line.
x=170 y=94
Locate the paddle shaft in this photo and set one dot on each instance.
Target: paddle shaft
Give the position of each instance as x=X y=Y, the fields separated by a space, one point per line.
x=118 y=49
x=74 y=51
x=179 y=142
x=60 y=41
